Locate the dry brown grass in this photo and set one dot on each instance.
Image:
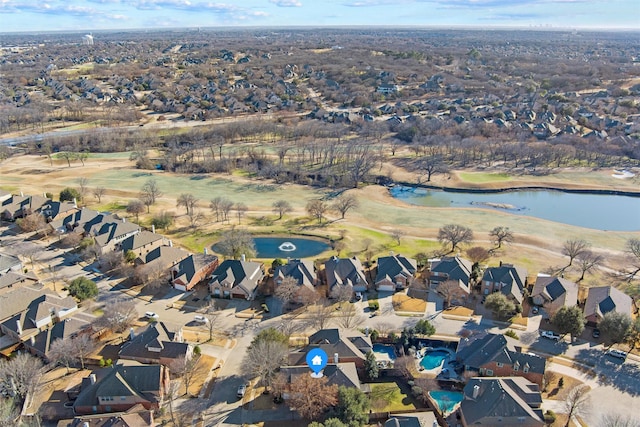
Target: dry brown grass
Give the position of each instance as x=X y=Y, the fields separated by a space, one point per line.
x=205 y=364
x=402 y=302
x=554 y=392
x=459 y=311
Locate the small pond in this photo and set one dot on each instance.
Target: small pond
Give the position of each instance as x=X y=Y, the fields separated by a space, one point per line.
x=288 y=247
x=596 y=211
x=433 y=359
x=446 y=400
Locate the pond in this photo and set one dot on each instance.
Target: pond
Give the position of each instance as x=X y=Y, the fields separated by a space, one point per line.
x=288 y=247
x=446 y=400
x=596 y=211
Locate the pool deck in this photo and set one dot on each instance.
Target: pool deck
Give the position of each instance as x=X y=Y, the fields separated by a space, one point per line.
x=437 y=370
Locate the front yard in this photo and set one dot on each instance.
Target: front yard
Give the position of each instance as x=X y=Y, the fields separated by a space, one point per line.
x=403 y=303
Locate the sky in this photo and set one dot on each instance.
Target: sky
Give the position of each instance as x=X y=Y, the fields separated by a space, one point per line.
x=66 y=15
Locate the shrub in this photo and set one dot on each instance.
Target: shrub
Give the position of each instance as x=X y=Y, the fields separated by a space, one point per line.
x=374 y=305
x=549 y=417
x=374 y=335
x=512 y=334
x=68 y=194
x=416 y=391
x=197 y=351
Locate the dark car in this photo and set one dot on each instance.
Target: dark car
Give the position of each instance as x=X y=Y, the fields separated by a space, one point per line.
x=596 y=333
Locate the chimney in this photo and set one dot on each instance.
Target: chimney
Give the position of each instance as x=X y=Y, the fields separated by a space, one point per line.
x=124 y=219
x=33 y=340
x=170 y=244
x=476 y=391
x=500 y=263
x=391 y=253
x=243 y=257
x=18 y=327
x=153 y=228
x=336 y=358
x=21 y=194
x=44 y=195
x=92 y=378
x=131 y=334
x=206 y=251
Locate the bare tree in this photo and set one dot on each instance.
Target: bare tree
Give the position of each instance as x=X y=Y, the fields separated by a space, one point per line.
x=83 y=345
x=98 y=192
x=361 y=159
x=31 y=223
x=215 y=206
x=136 y=207
x=152 y=276
x=112 y=261
x=187 y=200
x=21 y=375
x=501 y=235
x=396 y=235
x=61 y=353
x=344 y=203
x=342 y=293
x=617 y=420
x=281 y=207
x=450 y=290
x=309 y=396
x=478 y=254
x=83 y=183
x=264 y=358
x=68 y=156
x=588 y=261
x=455 y=234
x=348 y=316
x=150 y=193
x=577 y=402
x=119 y=314
x=322 y=314
x=241 y=209
x=195 y=217
x=236 y=242
x=212 y=315
x=287 y=290
x=225 y=207
x=317 y=208
x=633 y=249
x=573 y=248
x=185 y=368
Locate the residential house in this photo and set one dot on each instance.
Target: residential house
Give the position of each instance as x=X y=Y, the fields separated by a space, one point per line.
x=162 y=258
x=302 y=271
x=107 y=235
x=507 y=278
x=553 y=293
x=156 y=344
x=10 y=281
x=498 y=402
x=340 y=347
x=395 y=272
x=345 y=273
x=236 y=279
x=121 y=387
x=604 y=299
x=192 y=270
x=499 y=356
x=340 y=374
x=414 y=419
x=26 y=311
x=142 y=243
x=10 y=263
x=20 y=206
x=449 y=268
x=40 y=344
x=53 y=210
x=136 y=416
x=387 y=88
x=4 y=196
x=81 y=221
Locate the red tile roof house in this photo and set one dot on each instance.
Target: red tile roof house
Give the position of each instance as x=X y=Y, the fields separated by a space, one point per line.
x=193 y=270
x=121 y=387
x=604 y=299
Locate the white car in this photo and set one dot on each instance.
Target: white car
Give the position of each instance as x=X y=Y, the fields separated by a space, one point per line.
x=617 y=353
x=550 y=335
x=200 y=319
x=151 y=315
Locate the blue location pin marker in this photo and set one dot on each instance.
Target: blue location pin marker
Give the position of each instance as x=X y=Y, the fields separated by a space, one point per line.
x=317 y=359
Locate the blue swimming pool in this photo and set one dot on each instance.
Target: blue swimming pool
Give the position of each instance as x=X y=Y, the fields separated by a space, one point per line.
x=385 y=350
x=446 y=400
x=433 y=359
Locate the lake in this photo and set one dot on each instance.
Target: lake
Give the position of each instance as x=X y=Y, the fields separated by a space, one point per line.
x=597 y=211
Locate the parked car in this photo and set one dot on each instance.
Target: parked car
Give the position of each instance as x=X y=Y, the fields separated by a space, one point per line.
x=596 y=333
x=617 y=353
x=535 y=310
x=200 y=319
x=242 y=389
x=151 y=315
x=550 y=335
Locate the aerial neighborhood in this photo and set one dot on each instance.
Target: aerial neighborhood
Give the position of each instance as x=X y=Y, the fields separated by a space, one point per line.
x=345 y=228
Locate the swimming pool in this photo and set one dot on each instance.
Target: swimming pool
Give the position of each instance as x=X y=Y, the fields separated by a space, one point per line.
x=446 y=400
x=386 y=351
x=433 y=359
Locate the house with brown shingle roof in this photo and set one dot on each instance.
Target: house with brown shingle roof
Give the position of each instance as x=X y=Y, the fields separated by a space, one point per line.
x=156 y=344
x=142 y=243
x=194 y=269
x=604 y=299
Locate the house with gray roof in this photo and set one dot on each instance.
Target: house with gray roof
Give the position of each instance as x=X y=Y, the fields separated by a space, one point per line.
x=11 y=280
x=508 y=279
x=162 y=258
x=553 y=293
x=495 y=355
x=339 y=346
x=449 y=268
x=395 y=272
x=136 y=416
x=142 y=243
x=20 y=206
x=9 y=263
x=194 y=269
x=121 y=387
x=156 y=344
x=340 y=374
x=604 y=299
x=107 y=235
x=25 y=311
x=80 y=221
x=494 y=402
x=40 y=344
x=345 y=273
x=414 y=419
x=236 y=279
x=302 y=271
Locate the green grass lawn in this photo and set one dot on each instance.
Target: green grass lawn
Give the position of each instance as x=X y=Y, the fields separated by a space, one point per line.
x=390 y=397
